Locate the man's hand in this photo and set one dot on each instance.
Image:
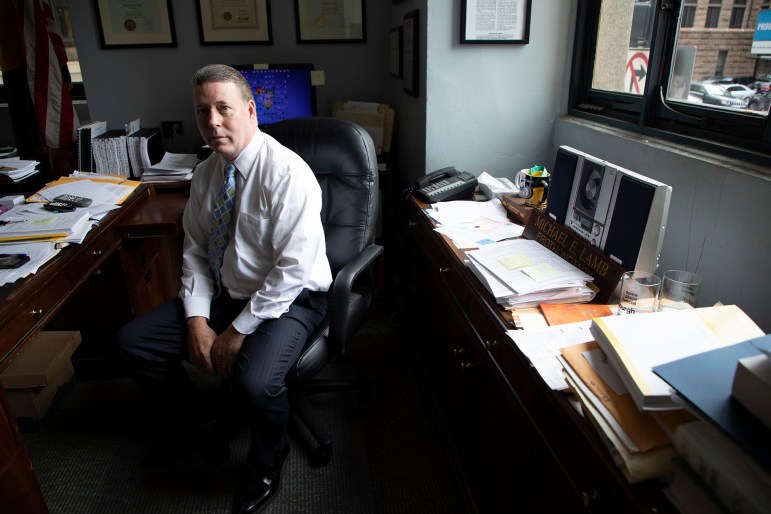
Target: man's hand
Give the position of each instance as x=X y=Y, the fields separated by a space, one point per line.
x=225 y=350
x=200 y=340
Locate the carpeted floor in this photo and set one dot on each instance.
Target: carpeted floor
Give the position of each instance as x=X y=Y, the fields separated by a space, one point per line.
x=387 y=455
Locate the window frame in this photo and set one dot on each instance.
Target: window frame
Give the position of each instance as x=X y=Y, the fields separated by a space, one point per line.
x=733 y=134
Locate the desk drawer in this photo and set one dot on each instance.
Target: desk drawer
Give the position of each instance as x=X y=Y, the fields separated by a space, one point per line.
x=93 y=254
x=33 y=312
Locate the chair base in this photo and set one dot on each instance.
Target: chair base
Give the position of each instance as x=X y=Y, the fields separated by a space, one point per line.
x=321 y=454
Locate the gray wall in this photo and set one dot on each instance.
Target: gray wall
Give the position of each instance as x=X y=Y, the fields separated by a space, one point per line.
x=154 y=83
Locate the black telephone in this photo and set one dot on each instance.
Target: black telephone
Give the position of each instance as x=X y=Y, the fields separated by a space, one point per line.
x=444 y=185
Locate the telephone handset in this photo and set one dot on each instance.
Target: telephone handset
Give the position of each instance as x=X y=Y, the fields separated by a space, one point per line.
x=444 y=185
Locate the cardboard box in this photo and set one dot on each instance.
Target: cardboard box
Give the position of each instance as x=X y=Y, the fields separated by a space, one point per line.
x=377 y=119
x=37 y=373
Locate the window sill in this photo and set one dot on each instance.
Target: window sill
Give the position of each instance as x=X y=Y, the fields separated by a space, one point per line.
x=713 y=158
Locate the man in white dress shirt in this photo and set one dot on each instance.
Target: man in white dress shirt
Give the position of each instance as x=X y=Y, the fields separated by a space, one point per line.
x=274 y=278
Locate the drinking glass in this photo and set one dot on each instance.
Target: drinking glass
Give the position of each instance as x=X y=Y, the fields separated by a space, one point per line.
x=679 y=290
x=639 y=292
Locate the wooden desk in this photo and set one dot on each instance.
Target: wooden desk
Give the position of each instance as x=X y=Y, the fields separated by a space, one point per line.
x=28 y=305
x=517 y=445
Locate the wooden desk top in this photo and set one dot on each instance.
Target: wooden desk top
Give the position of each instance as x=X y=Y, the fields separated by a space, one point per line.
x=567 y=437
x=28 y=304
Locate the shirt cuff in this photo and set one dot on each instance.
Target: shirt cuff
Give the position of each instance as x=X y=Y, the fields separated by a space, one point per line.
x=246 y=322
x=197 y=306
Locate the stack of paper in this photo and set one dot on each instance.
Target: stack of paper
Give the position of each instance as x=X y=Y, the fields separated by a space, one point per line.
x=523 y=273
x=636 y=343
x=15 y=170
x=640 y=447
x=173 y=167
x=39 y=254
x=44 y=227
x=111 y=153
x=145 y=148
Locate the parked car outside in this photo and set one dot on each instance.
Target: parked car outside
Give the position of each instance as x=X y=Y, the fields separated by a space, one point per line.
x=713 y=94
x=761 y=85
x=760 y=102
x=739 y=91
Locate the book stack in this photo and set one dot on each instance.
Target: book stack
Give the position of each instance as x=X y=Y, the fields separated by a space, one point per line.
x=145 y=148
x=680 y=368
x=721 y=477
x=523 y=273
x=640 y=447
x=635 y=344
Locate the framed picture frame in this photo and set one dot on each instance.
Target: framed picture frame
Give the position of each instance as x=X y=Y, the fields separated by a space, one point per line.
x=395 y=52
x=224 y=22
x=330 y=21
x=510 y=23
x=410 y=47
x=135 y=24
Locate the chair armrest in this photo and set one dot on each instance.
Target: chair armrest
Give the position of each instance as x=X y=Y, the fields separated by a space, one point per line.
x=340 y=300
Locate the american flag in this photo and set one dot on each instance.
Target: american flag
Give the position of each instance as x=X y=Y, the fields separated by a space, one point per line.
x=49 y=83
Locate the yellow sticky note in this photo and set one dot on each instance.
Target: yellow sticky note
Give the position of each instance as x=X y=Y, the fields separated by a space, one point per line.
x=515 y=261
x=318 y=78
x=541 y=272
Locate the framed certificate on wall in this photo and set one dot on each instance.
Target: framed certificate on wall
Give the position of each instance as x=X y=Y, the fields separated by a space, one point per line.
x=128 y=23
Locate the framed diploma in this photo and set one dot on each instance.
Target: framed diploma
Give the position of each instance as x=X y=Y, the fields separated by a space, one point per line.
x=504 y=21
x=134 y=23
x=325 y=21
x=234 y=21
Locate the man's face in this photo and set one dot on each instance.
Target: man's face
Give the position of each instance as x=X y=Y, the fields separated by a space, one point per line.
x=226 y=122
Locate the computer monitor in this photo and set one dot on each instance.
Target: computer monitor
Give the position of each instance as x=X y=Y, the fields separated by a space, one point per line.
x=281 y=91
x=619 y=211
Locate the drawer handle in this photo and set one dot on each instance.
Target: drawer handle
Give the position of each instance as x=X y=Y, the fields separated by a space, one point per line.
x=37 y=313
x=458 y=351
x=589 y=498
x=412 y=224
x=97 y=253
x=444 y=270
x=489 y=345
x=466 y=365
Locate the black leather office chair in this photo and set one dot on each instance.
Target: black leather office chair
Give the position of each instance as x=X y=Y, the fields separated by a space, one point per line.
x=342 y=156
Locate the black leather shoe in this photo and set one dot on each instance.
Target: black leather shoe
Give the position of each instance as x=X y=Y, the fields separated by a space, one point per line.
x=260 y=488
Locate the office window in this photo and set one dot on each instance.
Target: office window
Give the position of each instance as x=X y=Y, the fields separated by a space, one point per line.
x=713 y=17
x=688 y=16
x=737 y=14
x=722 y=56
x=667 y=84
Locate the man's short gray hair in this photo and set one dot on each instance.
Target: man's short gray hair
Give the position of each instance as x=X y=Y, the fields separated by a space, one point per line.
x=223 y=73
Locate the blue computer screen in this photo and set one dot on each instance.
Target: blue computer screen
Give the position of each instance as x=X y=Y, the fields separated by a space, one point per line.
x=281 y=91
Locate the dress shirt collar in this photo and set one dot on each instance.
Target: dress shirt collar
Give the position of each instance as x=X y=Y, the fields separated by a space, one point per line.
x=246 y=159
